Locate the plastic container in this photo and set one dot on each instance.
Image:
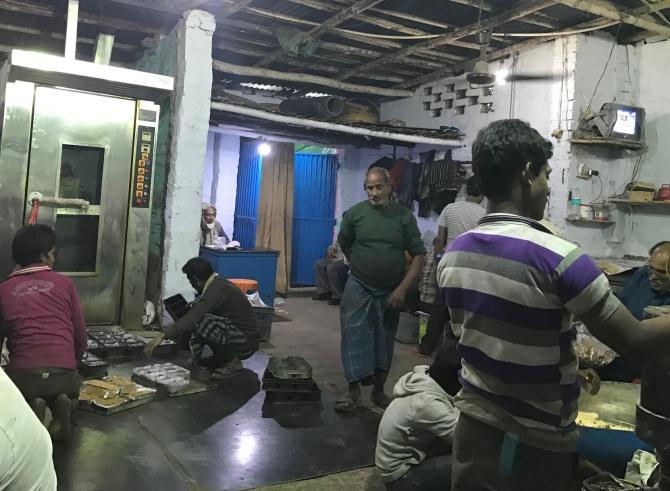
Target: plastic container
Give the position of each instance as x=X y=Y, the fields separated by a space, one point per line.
x=573 y=208
x=585 y=212
x=408 y=329
x=423 y=323
x=245 y=285
x=601 y=213
x=664 y=192
x=264 y=319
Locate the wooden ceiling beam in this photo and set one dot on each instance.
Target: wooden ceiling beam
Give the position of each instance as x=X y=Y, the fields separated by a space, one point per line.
x=614 y=12
x=489 y=23
x=231 y=9
x=325 y=26
x=43 y=10
x=342 y=63
x=498 y=54
x=448 y=72
x=651 y=8
x=304 y=78
x=264 y=30
x=385 y=23
x=537 y=19
x=60 y=36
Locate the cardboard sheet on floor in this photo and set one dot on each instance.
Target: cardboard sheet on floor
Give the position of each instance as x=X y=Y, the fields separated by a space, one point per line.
x=111 y=395
x=216 y=440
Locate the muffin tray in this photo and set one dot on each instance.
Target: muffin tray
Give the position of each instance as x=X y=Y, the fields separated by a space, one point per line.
x=165 y=377
x=93 y=366
x=116 y=343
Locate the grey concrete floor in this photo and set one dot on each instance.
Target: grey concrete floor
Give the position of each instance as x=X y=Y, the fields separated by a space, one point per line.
x=314 y=333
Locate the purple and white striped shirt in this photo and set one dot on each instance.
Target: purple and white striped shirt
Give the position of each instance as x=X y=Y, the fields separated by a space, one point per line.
x=512 y=289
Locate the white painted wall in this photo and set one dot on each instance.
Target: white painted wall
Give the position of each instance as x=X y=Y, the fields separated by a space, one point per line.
x=193 y=85
x=597 y=81
x=222 y=165
x=648 y=225
x=634 y=75
x=535 y=102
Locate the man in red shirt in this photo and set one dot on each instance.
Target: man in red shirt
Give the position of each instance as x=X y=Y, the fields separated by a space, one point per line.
x=41 y=319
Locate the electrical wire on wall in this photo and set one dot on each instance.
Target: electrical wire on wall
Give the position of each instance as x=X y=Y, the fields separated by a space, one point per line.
x=512 y=89
x=607 y=63
x=564 y=88
x=634 y=176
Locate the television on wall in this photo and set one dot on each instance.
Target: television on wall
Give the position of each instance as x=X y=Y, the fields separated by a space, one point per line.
x=620 y=122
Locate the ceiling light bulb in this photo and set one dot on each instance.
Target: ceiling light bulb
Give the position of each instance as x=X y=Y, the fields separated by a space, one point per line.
x=501 y=76
x=264 y=149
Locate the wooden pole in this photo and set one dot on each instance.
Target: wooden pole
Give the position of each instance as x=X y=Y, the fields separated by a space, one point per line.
x=606 y=9
x=71 y=29
x=324 y=27
x=536 y=19
x=304 y=78
x=512 y=14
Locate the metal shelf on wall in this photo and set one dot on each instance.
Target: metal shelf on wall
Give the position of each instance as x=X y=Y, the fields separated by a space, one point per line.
x=582 y=221
x=628 y=202
x=609 y=143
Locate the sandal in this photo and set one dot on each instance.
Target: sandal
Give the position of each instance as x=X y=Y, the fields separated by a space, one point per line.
x=418 y=353
x=226 y=371
x=381 y=400
x=347 y=403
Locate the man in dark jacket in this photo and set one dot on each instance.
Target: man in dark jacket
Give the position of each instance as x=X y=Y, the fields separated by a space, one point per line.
x=222 y=318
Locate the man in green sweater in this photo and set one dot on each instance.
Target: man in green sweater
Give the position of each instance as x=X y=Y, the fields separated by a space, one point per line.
x=374 y=236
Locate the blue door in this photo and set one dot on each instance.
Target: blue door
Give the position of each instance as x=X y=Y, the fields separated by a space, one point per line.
x=248 y=193
x=313 y=213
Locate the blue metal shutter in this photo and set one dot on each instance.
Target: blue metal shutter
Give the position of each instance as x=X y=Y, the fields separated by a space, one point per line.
x=313 y=213
x=248 y=193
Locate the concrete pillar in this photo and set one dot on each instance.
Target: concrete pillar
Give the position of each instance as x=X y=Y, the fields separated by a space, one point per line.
x=190 y=123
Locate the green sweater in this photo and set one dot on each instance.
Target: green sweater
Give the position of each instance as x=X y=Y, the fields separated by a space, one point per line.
x=375 y=240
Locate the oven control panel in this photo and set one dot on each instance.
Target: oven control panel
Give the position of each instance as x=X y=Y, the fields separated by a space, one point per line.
x=144 y=156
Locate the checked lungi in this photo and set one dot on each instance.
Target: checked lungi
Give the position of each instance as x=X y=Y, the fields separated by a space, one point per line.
x=368 y=327
x=220 y=334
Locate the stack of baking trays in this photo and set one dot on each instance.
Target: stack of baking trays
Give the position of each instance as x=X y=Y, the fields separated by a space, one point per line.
x=92 y=366
x=165 y=377
x=289 y=380
x=115 y=343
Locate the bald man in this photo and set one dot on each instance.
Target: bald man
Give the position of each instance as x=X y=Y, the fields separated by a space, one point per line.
x=374 y=236
x=650 y=285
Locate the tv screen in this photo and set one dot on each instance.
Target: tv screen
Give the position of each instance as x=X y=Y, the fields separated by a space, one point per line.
x=625 y=121
x=621 y=122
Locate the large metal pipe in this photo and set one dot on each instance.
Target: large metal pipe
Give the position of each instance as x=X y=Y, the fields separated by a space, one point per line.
x=327 y=107
x=454 y=142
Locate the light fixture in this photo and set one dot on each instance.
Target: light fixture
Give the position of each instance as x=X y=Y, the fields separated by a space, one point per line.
x=501 y=74
x=264 y=149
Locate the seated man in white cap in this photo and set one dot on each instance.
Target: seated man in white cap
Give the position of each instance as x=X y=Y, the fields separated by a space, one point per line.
x=211 y=230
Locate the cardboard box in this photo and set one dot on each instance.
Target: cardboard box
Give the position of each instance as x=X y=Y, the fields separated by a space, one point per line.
x=640 y=195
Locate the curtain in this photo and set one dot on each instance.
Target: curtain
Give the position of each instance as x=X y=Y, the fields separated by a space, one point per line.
x=275 y=213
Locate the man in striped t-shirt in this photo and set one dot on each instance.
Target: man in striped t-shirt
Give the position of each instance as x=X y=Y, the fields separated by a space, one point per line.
x=512 y=288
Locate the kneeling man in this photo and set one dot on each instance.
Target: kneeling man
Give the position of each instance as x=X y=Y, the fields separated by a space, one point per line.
x=222 y=318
